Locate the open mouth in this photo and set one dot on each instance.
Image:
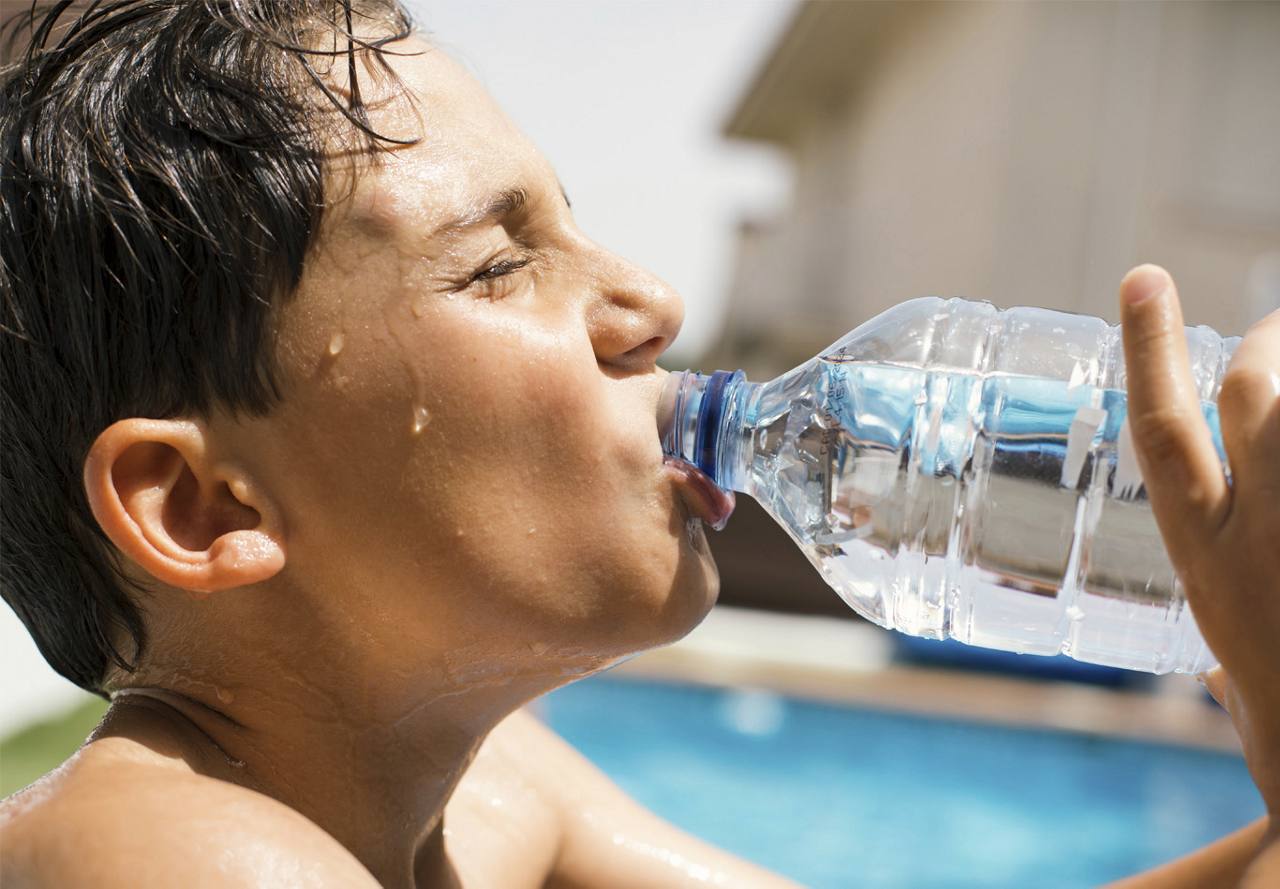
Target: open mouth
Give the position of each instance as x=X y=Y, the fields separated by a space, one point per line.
x=704 y=498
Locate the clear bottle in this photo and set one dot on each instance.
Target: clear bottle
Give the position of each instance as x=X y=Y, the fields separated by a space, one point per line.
x=958 y=471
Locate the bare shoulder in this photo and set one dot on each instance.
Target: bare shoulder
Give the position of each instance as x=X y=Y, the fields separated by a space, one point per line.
x=511 y=814
x=527 y=756
x=503 y=824
x=543 y=758
x=524 y=733
x=120 y=823
x=603 y=836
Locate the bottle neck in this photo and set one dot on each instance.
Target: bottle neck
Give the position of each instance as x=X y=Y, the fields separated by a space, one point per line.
x=700 y=421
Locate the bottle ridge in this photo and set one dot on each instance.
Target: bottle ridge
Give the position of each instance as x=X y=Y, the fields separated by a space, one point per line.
x=957 y=471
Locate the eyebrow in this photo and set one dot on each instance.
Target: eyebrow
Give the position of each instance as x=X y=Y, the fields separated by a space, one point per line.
x=504 y=203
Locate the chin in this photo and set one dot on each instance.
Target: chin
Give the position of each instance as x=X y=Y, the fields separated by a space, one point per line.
x=659 y=594
x=692 y=590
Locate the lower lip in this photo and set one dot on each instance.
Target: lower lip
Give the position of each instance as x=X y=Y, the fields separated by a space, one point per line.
x=708 y=502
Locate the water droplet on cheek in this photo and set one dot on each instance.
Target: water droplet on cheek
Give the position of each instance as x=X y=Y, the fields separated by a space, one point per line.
x=419 y=305
x=533 y=531
x=420 y=419
x=226 y=695
x=336 y=342
x=696 y=536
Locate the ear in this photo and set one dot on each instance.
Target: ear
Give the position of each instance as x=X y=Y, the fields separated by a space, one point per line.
x=188 y=522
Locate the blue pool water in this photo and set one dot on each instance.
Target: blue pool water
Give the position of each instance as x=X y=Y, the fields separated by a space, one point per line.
x=837 y=797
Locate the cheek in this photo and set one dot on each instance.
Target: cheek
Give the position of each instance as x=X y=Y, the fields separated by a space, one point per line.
x=527 y=402
x=530 y=483
x=551 y=494
x=528 y=445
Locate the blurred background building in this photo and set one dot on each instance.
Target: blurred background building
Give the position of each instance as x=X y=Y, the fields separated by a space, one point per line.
x=1025 y=153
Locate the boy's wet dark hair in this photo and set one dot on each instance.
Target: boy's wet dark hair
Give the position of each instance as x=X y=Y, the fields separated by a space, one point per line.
x=161 y=182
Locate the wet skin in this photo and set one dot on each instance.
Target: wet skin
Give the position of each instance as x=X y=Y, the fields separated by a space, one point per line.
x=460 y=504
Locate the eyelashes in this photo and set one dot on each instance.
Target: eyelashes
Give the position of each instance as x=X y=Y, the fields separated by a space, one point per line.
x=499 y=269
x=494 y=279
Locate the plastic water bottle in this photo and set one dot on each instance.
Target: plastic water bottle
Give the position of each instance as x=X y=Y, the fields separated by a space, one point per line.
x=957 y=471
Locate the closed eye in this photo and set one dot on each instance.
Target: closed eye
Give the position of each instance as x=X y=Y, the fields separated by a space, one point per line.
x=498 y=269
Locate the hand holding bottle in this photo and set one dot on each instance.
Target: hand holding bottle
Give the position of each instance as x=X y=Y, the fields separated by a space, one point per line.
x=1223 y=539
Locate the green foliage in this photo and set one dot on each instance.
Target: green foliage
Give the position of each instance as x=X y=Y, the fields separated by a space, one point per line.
x=39 y=748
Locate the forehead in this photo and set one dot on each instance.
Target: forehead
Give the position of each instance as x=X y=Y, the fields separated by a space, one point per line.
x=468 y=149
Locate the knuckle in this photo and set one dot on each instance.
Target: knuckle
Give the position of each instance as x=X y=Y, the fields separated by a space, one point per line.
x=1198 y=500
x=1148 y=334
x=1244 y=385
x=1161 y=433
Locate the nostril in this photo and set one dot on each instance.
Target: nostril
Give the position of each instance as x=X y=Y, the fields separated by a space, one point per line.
x=649 y=349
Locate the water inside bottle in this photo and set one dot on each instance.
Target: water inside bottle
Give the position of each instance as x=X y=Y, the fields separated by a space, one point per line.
x=998 y=509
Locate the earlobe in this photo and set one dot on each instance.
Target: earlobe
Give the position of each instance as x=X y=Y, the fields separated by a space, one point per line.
x=186 y=521
x=241 y=558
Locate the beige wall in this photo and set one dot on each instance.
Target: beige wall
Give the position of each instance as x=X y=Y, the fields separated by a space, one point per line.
x=1024 y=153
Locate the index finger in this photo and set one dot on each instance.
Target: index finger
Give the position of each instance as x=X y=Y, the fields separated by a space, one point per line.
x=1180 y=466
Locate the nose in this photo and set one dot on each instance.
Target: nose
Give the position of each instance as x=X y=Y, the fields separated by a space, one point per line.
x=634 y=315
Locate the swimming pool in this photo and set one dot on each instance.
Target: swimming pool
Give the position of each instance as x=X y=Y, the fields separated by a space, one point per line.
x=839 y=797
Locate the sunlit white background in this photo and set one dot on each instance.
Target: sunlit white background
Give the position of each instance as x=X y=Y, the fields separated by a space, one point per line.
x=626 y=97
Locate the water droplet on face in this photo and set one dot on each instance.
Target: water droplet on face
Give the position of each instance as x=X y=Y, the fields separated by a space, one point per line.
x=336 y=342
x=533 y=531
x=420 y=419
x=538 y=648
x=692 y=527
x=226 y=695
x=419 y=305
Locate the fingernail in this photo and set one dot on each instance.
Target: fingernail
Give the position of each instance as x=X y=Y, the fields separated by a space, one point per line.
x=1143 y=283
